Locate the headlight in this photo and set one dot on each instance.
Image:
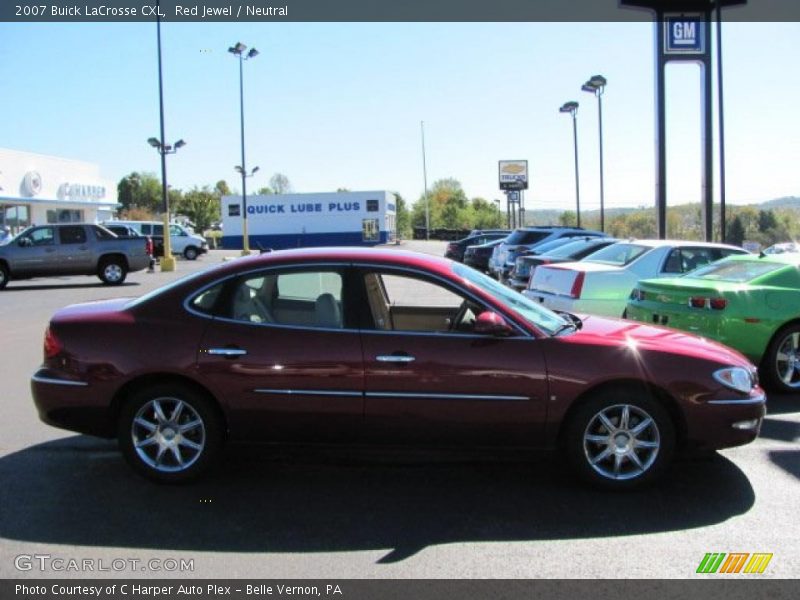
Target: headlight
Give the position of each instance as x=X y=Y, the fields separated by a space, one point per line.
x=735 y=378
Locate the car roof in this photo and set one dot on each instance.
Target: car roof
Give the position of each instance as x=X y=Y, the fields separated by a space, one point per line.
x=679 y=243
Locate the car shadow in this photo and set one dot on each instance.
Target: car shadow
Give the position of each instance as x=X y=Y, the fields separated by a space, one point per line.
x=788 y=460
x=11 y=287
x=782 y=403
x=78 y=491
x=780 y=429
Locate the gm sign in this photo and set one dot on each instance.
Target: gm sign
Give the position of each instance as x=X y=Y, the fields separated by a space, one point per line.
x=683 y=35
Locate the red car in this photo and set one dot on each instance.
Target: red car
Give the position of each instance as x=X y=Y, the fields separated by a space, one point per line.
x=383 y=346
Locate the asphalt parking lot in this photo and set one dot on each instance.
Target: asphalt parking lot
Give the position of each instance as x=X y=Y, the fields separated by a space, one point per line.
x=318 y=513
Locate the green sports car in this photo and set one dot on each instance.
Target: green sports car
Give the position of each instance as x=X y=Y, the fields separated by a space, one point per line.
x=749 y=302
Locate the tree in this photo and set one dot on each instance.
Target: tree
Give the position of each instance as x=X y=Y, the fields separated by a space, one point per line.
x=280 y=184
x=264 y=191
x=735 y=232
x=221 y=188
x=202 y=206
x=139 y=190
x=403 y=217
x=568 y=218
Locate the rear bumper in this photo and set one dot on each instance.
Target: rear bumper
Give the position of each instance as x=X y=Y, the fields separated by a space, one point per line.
x=589 y=306
x=70 y=404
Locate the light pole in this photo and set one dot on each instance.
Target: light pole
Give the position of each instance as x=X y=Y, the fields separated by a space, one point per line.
x=572 y=108
x=167 y=261
x=238 y=50
x=597 y=85
x=425 y=181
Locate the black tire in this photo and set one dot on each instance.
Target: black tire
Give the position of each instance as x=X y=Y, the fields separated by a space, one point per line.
x=3 y=276
x=113 y=270
x=585 y=423
x=175 y=455
x=773 y=372
x=190 y=253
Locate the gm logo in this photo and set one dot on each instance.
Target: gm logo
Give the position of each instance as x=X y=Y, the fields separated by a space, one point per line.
x=734 y=562
x=683 y=35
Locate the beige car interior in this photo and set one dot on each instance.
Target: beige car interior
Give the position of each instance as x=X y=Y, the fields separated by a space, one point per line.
x=433 y=310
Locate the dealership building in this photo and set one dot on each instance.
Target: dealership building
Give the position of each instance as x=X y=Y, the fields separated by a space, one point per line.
x=37 y=189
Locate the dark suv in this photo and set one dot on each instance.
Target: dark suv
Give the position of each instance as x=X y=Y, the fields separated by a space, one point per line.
x=455 y=250
x=528 y=238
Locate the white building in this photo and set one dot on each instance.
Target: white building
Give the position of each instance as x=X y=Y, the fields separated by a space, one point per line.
x=37 y=189
x=281 y=221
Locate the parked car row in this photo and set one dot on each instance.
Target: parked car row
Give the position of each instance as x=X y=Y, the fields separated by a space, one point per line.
x=750 y=303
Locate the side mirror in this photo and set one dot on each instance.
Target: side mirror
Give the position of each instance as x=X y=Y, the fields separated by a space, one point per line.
x=490 y=323
x=25 y=242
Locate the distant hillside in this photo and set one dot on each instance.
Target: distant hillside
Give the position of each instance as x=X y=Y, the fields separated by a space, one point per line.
x=551 y=217
x=792 y=202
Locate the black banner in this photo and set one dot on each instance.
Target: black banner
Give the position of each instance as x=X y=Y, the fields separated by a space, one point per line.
x=361 y=10
x=720 y=588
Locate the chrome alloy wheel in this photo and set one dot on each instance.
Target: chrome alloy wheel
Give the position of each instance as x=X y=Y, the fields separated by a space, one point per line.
x=168 y=434
x=112 y=272
x=621 y=442
x=787 y=360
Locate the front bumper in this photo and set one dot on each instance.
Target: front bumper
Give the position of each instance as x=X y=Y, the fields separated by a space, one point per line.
x=725 y=422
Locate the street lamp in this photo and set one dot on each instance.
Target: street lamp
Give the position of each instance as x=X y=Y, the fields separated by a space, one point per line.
x=167 y=261
x=572 y=109
x=597 y=85
x=239 y=51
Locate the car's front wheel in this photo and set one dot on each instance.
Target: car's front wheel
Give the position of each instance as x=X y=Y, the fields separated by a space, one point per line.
x=3 y=276
x=620 y=439
x=781 y=364
x=169 y=433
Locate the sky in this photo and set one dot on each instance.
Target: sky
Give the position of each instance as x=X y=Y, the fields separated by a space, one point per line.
x=335 y=105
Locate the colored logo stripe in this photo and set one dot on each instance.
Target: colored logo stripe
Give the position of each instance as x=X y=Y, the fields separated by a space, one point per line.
x=714 y=562
x=758 y=563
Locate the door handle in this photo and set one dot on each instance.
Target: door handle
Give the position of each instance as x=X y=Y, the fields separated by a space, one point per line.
x=395 y=358
x=227 y=352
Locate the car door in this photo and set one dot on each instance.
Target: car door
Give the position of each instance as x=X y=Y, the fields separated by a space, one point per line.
x=36 y=252
x=431 y=379
x=282 y=353
x=74 y=255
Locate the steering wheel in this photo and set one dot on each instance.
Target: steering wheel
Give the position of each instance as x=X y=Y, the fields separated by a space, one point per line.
x=455 y=323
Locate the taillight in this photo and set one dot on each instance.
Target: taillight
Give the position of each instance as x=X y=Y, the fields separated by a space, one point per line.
x=638 y=294
x=697 y=302
x=577 y=285
x=452 y=247
x=52 y=345
x=717 y=303
x=148 y=246
x=712 y=303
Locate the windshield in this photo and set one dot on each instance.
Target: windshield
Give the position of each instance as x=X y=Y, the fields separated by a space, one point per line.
x=619 y=255
x=568 y=250
x=737 y=271
x=544 y=319
x=523 y=236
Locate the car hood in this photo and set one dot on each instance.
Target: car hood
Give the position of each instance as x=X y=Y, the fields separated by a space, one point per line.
x=113 y=309
x=602 y=331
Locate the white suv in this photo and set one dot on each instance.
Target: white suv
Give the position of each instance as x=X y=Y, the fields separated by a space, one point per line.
x=190 y=245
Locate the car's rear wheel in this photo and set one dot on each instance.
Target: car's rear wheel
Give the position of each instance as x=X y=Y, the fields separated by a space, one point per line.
x=113 y=271
x=781 y=365
x=190 y=253
x=620 y=439
x=3 y=276
x=169 y=433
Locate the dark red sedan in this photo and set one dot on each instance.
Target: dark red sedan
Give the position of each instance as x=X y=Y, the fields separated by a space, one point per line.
x=383 y=347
